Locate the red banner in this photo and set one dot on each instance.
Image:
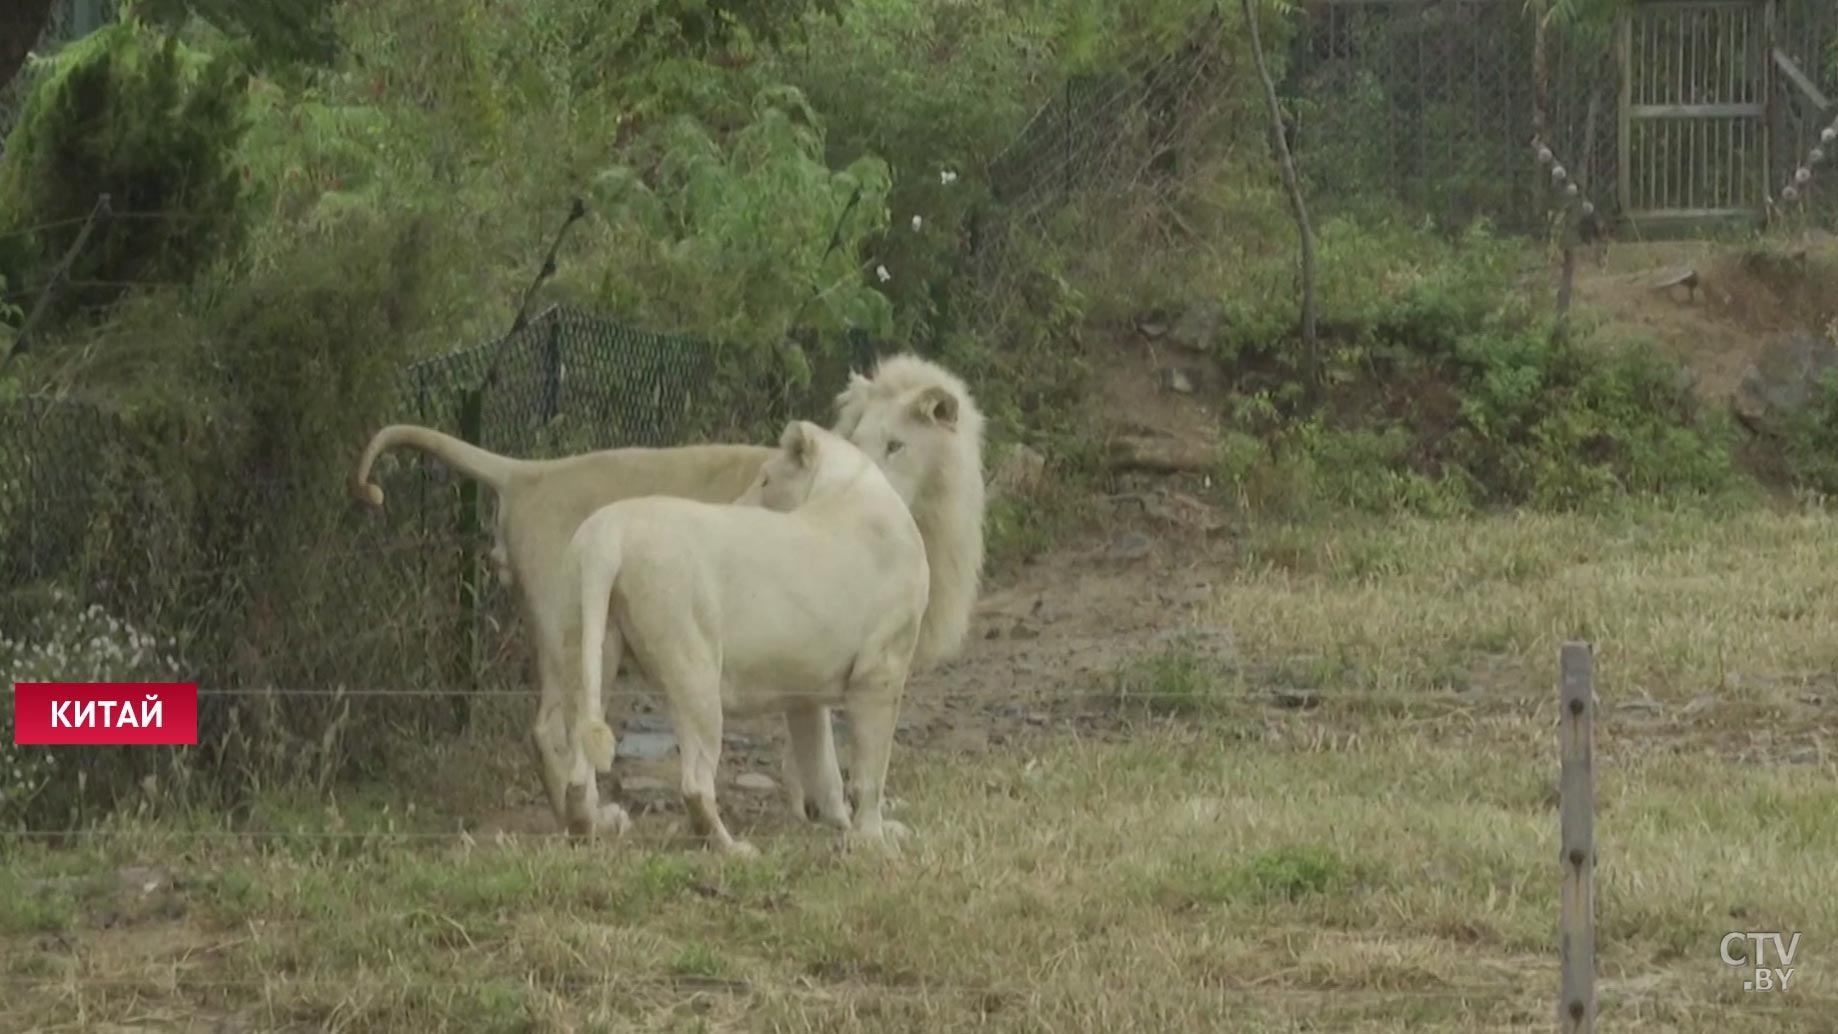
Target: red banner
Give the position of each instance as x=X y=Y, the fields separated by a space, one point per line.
x=122 y=713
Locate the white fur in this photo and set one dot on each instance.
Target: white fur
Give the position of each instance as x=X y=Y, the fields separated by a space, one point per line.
x=939 y=472
x=742 y=609
x=542 y=502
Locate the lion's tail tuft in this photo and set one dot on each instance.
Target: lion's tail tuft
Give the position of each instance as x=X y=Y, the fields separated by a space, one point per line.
x=595 y=740
x=595 y=555
x=489 y=467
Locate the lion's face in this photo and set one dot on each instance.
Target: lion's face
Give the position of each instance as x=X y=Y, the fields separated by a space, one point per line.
x=786 y=480
x=906 y=434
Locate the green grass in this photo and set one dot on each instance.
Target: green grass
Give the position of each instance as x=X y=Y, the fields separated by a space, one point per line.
x=1410 y=882
x=1346 y=867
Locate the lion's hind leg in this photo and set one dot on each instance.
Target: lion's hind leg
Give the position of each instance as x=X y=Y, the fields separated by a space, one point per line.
x=693 y=686
x=873 y=706
x=580 y=812
x=548 y=740
x=811 y=772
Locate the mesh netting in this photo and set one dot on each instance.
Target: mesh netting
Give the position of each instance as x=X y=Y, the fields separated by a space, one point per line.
x=399 y=597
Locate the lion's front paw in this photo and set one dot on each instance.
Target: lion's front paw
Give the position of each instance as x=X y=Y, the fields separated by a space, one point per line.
x=740 y=849
x=613 y=820
x=884 y=842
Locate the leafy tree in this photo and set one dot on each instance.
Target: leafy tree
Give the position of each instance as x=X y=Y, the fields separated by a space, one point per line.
x=272 y=33
x=130 y=112
x=21 y=23
x=703 y=26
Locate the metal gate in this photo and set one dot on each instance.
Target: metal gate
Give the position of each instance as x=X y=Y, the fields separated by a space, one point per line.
x=1695 y=85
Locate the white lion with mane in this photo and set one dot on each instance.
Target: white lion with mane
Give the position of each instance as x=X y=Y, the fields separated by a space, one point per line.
x=807 y=594
x=914 y=420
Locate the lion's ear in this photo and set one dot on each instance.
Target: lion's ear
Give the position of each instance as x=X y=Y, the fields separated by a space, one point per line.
x=937 y=405
x=799 y=443
x=859 y=387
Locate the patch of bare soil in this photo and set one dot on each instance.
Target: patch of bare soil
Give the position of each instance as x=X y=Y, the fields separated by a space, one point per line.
x=1040 y=661
x=1739 y=301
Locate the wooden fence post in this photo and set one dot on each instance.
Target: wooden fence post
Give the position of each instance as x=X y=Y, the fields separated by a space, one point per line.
x=1576 y=926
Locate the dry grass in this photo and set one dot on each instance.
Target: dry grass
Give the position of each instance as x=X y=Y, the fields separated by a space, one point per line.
x=1680 y=603
x=1218 y=872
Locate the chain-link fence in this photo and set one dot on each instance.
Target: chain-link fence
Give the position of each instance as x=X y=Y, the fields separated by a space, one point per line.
x=1433 y=106
x=394 y=599
x=1429 y=108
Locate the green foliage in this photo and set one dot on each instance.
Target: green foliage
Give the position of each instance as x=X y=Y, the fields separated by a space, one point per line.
x=214 y=525
x=274 y=35
x=65 y=642
x=1285 y=874
x=11 y=316
x=1176 y=678
x=1096 y=36
x=135 y=114
x=1805 y=442
x=1446 y=392
x=706 y=25
x=747 y=239
x=934 y=90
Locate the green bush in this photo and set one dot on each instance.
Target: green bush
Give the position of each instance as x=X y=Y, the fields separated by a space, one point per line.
x=747 y=239
x=1444 y=390
x=133 y=113
x=1805 y=443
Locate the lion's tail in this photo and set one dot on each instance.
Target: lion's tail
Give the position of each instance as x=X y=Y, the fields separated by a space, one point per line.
x=599 y=555
x=474 y=462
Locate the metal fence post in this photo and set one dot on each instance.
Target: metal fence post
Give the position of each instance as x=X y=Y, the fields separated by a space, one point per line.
x=471 y=426
x=1576 y=924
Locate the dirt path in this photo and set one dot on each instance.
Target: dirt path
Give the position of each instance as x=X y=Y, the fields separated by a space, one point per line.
x=1743 y=299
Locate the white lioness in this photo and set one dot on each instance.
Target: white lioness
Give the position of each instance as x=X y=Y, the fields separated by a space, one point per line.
x=914 y=419
x=812 y=598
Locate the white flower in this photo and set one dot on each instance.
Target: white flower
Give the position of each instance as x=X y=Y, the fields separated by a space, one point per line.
x=882 y=273
x=918 y=222
x=947 y=177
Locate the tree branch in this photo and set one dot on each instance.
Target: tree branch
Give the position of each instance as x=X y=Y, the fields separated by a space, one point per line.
x=1311 y=345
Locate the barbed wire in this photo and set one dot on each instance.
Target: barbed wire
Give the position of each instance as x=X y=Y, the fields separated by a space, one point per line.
x=677 y=983
x=1802 y=176
x=1297 y=697
x=113 y=213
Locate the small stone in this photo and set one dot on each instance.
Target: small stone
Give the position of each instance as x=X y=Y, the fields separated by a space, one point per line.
x=1131 y=545
x=758 y=782
x=647 y=746
x=1783 y=382
x=1198 y=328
x=1645 y=705
x=1177 y=381
x=643 y=784
x=648 y=723
x=1700 y=704
x=1021 y=631
x=1808 y=755
x=1295 y=698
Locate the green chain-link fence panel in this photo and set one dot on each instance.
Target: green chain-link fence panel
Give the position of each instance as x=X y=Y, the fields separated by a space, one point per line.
x=397 y=598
